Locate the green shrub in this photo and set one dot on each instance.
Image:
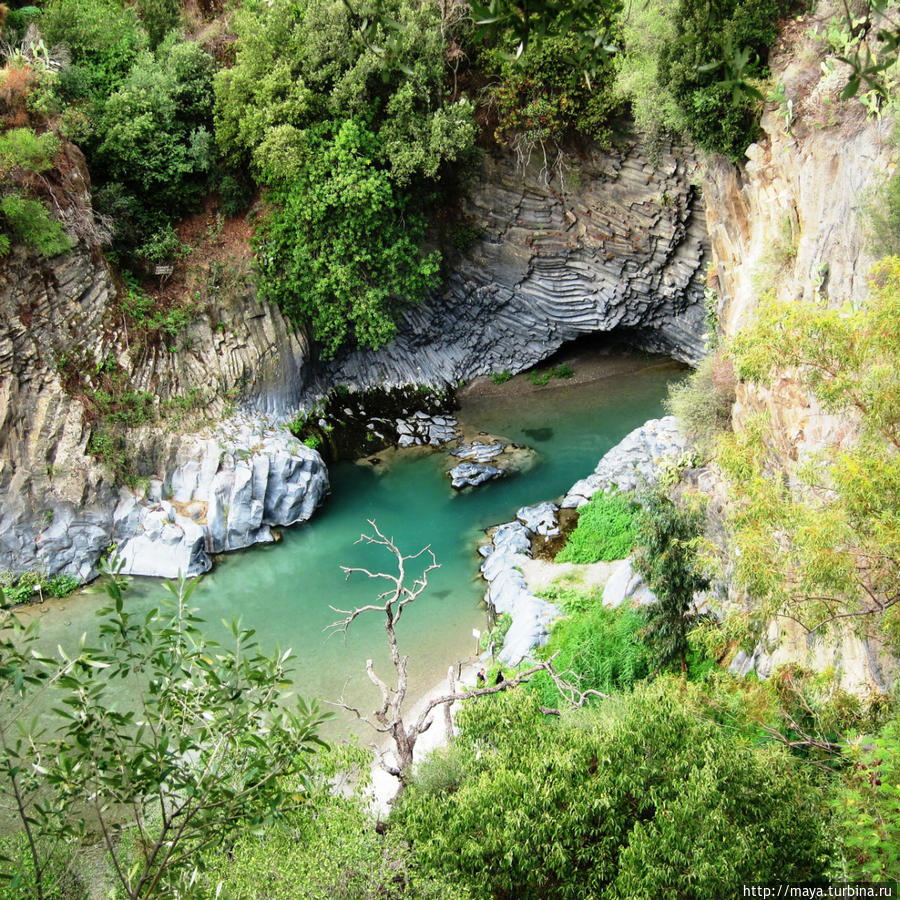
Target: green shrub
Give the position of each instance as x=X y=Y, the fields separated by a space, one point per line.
x=156 y=128
x=544 y=97
x=159 y=17
x=501 y=377
x=597 y=649
x=103 y=36
x=22 y=148
x=638 y=798
x=62 y=585
x=341 y=248
x=867 y=807
x=605 y=530
x=326 y=848
x=702 y=402
x=352 y=142
x=28 y=221
x=235 y=194
x=680 y=67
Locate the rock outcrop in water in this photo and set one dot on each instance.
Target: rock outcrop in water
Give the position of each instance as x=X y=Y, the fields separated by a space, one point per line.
x=224 y=493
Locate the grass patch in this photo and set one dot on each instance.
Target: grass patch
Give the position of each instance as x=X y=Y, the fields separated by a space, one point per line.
x=599 y=648
x=605 y=531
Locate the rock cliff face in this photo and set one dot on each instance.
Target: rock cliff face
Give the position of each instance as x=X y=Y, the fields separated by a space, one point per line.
x=617 y=244
x=790 y=221
x=58 y=507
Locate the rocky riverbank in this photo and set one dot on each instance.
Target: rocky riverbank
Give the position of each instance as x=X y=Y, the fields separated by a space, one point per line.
x=638 y=459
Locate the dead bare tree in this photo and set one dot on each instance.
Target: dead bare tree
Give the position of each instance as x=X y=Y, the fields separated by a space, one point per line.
x=389 y=718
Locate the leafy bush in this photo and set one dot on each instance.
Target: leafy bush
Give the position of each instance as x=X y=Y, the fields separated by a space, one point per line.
x=341 y=250
x=28 y=220
x=352 y=142
x=682 y=62
x=867 y=807
x=818 y=542
x=156 y=127
x=638 y=798
x=545 y=97
x=327 y=848
x=104 y=38
x=22 y=149
x=668 y=540
x=605 y=530
x=598 y=649
x=501 y=377
x=703 y=401
x=235 y=194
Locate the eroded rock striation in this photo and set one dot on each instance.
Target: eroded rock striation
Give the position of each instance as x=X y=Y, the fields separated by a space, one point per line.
x=617 y=245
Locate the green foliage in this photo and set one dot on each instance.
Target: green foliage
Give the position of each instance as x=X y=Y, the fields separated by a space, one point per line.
x=597 y=648
x=668 y=542
x=159 y=17
x=207 y=752
x=496 y=635
x=28 y=221
x=605 y=530
x=156 y=128
x=22 y=149
x=542 y=379
x=882 y=215
x=235 y=194
x=341 y=249
x=702 y=402
x=544 y=96
x=104 y=38
x=23 y=588
x=326 y=849
x=313 y=441
x=351 y=141
x=501 y=377
x=689 y=67
x=151 y=316
x=867 y=807
x=164 y=246
x=639 y=798
x=828 y=546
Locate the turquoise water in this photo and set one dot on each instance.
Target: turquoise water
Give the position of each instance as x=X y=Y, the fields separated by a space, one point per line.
x=285 y=590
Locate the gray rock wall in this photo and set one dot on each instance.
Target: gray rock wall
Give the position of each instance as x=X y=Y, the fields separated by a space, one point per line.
x=620 y=246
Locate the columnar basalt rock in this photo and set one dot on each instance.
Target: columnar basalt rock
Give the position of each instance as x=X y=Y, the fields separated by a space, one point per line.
x=617 y=245
x=58 y=316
